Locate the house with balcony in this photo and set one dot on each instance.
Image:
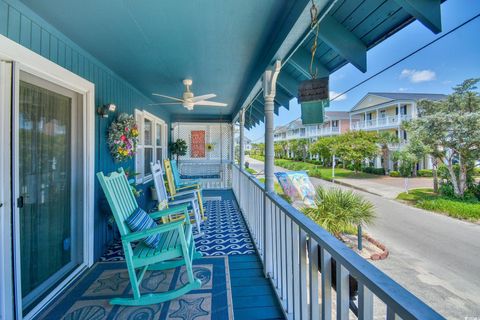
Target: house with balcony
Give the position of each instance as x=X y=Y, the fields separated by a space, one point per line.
x=75 y=74
x=386 y=111
x=336 y=122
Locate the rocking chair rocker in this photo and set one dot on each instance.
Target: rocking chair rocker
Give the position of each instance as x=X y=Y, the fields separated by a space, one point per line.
x=175 y=248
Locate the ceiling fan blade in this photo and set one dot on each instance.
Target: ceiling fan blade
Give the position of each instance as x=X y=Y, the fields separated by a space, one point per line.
x=204 y=97
x=164 y=103
x=168 y=97
x=210 y=103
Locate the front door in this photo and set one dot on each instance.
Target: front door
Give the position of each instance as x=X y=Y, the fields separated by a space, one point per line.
x=47 y=181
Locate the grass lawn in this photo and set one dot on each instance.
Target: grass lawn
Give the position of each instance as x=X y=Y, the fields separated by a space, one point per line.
x=428 y=200
x=319 y=171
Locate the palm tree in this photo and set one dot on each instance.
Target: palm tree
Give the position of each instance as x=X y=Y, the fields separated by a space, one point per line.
x=284 y=146
x=384 y=139
x=338 y=210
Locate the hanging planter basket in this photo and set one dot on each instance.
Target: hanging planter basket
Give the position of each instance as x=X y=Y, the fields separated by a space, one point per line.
x=313 y=97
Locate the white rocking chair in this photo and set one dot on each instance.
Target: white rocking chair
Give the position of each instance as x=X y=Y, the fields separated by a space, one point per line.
x=165 y=201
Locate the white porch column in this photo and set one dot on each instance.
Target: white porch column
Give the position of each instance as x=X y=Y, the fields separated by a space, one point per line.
x=399 y=115
x=269 y=87
x=414 y=110
x=242 y=138
x=378 y=162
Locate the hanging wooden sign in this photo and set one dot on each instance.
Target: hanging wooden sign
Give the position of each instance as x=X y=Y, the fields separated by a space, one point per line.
x=313 y=96
x=197 y=143
x=313 y=90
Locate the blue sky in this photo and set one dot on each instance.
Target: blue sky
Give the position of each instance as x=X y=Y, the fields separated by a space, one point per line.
x=435 y=69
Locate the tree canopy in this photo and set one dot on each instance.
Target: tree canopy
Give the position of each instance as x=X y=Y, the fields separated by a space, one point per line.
x=450 y=128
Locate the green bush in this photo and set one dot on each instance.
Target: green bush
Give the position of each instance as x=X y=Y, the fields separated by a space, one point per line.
x=425 y=173
x=468 y=209
x=373 y=170
x=476 y=171
x=394 y=174
x=339 y=210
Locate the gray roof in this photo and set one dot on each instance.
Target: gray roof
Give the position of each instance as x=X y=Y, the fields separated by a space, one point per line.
x=409 y=96
x=336 y=115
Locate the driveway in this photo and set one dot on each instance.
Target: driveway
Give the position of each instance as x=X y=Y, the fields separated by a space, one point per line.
x=434 y=256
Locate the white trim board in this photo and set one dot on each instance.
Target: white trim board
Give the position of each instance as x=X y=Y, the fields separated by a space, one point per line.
x=30 y=62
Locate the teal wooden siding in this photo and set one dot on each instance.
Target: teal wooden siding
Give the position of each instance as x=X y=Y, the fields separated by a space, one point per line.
x=25 y=27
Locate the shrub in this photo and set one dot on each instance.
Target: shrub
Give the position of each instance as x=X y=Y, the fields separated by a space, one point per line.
x=373 y=170
x=476 y=171
x=339 y=210
x=425 y=173
x=394 y=174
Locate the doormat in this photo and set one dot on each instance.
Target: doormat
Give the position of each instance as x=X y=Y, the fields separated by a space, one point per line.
x=87 y=298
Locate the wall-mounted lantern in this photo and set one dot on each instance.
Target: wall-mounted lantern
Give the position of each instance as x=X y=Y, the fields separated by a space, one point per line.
x=105 y=109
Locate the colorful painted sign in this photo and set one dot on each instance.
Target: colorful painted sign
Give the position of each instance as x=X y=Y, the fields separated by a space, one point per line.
x=297 y=186
x=197 y=143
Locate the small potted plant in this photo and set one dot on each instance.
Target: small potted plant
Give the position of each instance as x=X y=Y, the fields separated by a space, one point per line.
x=178 y=148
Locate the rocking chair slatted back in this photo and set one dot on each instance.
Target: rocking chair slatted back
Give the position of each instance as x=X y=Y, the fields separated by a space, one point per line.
x=170 y=179
x=120 y=197
x=159 y=182
x=176 y=175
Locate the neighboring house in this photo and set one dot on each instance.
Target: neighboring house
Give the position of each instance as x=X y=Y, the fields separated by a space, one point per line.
x=385 y=111
x=336 y=122
x=247 y=143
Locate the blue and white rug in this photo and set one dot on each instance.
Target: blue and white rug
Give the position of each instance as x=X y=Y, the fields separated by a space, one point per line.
x=224 y=233
x=88 y=298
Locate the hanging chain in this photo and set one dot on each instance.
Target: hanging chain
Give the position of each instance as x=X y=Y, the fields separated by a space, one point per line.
x=314 y=25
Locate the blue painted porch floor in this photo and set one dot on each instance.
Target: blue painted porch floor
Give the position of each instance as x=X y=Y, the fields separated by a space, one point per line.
x=251 y=293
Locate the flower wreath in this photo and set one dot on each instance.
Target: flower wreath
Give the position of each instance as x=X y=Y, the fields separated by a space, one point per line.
x=123 y=137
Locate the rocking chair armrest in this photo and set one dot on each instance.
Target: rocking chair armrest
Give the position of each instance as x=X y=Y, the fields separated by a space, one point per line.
x=180 y=208
x=191 y=187
x=158 y=229
x=181 y=201
x=183 y=193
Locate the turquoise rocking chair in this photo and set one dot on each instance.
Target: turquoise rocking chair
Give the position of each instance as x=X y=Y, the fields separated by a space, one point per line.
x=175 y=248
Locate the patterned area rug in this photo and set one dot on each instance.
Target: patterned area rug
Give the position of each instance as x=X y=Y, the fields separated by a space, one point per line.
x=87 y=299
x=225 y=233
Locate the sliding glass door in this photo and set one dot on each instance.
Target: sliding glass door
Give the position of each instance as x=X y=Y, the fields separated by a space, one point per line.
x=49 y=223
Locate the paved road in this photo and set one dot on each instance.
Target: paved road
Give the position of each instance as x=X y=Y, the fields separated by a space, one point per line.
x=434 y=256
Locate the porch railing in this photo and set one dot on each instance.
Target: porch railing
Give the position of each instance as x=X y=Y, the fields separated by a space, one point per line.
x=304 y=262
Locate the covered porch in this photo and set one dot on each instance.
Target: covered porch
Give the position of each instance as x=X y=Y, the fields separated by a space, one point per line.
x=252 y=56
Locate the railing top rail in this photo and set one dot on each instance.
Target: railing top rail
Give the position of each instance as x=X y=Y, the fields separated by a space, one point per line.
x=405 y=304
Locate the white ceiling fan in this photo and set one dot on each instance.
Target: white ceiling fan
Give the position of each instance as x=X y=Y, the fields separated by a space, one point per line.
x=188 y=100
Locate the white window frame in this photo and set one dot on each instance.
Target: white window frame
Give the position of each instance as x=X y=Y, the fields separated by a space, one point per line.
x=140 y=117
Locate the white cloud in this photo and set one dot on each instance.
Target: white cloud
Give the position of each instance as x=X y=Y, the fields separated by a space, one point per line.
x=403 y=89
x=333 y=94
x=416 y=76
